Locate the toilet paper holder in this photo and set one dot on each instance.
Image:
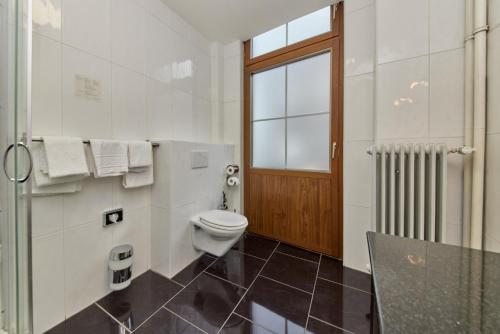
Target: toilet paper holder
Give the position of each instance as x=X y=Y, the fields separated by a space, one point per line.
x=232 y=178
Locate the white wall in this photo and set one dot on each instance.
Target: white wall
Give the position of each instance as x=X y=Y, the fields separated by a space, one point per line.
x=492 y=229
x=398 y=49
x=179 y=193
x=154 y=71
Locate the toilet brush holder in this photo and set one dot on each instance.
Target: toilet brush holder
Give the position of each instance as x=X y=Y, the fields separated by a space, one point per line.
x=120 y=267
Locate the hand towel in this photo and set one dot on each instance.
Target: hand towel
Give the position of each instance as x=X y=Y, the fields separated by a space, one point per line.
x=41 y=178
x=110 y=157
x=140 y=154
x=134 y=180
x=65 y=156
x=57 y=189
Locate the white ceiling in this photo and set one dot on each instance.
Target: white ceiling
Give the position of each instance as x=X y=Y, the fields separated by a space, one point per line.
x=229 y=20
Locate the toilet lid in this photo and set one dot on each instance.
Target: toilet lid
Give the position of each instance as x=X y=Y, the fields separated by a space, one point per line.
x=223 y=219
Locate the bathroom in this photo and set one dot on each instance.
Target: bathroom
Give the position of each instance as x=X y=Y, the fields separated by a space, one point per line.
x=284 y=166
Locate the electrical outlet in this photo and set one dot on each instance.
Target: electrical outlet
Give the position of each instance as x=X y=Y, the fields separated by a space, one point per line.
x=112 y=217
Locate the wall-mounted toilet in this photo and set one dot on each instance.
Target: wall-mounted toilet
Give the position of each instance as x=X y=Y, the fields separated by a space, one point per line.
x=216 y=231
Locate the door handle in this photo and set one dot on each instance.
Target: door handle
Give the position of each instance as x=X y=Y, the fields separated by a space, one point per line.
x=334 y=148
x=30 y=159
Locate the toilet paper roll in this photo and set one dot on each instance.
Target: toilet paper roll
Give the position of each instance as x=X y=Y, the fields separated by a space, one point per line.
x=233 y=181
x=232 y=169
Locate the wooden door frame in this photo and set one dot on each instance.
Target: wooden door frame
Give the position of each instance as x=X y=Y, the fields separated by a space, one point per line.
x=333 y=41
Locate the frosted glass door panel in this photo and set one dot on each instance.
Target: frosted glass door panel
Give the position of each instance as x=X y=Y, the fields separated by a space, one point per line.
x=309 y=26
x=269 y=144
x=308 y=142
x=309 y=86
x=268 y=94
x=269 y=41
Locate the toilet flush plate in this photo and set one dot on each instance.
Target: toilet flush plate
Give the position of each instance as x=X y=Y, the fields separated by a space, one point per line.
x=199 y=159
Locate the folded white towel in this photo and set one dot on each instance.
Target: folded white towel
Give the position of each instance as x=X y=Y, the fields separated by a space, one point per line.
x=57 y=189
x=41 y=176
x=110 y=157
x=140 y=154
x=133 y=179
x=65 y=156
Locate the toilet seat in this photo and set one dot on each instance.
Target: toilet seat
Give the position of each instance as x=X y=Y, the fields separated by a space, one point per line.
x=223 y=220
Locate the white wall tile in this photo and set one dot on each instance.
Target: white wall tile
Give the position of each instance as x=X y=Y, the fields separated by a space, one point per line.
x=82 y=116
x=447 y=94
x=130 y=199
x=160 y=241
x=359 y=41
x=357 y=222
x=87 y=26
x=86 y=253
x=357 y=174
x=402 y=99
x=47 y=213
x=492 y=194
x=232 y=79
x=493 y=13
x=402 y=29
x=202 y=120
x=233 y=49
x=47 y=18
x=353 y=5
x=48 y=282
x=46 y=87
x=493 y=77
x=159 y=103
x=358 y=107
x=89 y=204
x=127 y=34
x=136 y=231
x=129 y=114
x=447 y=19
x=183 y=115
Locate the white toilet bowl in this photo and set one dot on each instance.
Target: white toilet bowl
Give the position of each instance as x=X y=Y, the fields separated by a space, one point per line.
x=216 y=231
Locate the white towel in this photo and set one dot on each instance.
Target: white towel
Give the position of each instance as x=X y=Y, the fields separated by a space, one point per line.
x=65 y=157
x=40 y=170
x=140 y=154
x=134 y=180
x=110 y=157
x=63 y=188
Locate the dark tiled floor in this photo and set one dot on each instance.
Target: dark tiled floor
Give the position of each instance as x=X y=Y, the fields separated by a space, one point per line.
x=260 y=287
x=333 y=270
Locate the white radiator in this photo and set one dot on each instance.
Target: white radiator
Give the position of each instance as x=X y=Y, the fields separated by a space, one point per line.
x=410 y=190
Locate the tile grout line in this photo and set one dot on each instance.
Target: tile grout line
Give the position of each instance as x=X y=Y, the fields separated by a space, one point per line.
x=112 y=317
x=175 y=295
x=329 y=324
x=290 y=286
x=255 y=257
x=347 y=286
x=314 y=289
x=189 y=322
x=249 y=287
x=256 y=324
x=225 y=280
x=297 y=257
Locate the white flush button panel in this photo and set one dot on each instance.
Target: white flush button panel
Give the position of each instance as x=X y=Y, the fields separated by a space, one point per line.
x=199 y=159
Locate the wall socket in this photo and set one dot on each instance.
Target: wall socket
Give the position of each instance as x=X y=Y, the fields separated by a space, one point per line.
x=112 y=217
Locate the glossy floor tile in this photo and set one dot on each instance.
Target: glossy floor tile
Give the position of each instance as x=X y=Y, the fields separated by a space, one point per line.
x=146 y=294
x=333 y=270
x=206 y=302
x=239 y=325
x=342 y=306
x=318 y=327
x=256 y=246
x=165 y=322
x=260 y=287
x=90 y=320
x=194 y=269
x=298 y=252
x=292 y=271
x=278 y=307
x=237 y=267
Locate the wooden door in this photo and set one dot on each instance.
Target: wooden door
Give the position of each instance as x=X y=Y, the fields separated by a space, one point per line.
x=299 y=206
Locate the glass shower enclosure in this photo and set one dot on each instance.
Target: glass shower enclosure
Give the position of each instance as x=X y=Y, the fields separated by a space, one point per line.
x=15 y=185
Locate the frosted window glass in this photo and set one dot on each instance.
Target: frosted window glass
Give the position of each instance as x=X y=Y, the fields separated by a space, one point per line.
x=269 y=41
x=268 y=94
x=309 y=86
x=269 y=144
x=309 y=26
x=308 y=142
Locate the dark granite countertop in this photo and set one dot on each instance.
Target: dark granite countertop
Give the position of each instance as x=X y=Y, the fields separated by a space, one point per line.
x=426 y=287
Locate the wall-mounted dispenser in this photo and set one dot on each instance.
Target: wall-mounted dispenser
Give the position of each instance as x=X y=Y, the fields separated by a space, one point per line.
x=120 y=267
